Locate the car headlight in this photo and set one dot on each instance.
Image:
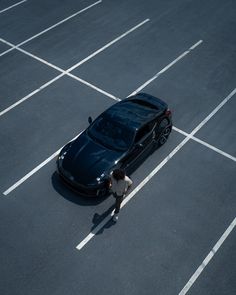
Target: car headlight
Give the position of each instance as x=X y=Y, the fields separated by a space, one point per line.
x=100 y=178
x=61 y=157
x=64 y=150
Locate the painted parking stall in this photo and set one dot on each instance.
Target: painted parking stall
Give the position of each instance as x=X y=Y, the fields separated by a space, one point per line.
x=180 y=213
x=24 y=178
x=14 y=23
x=68 y=71
x=12 y=6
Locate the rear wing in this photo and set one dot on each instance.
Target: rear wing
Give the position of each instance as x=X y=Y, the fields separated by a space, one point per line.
x=149 y=99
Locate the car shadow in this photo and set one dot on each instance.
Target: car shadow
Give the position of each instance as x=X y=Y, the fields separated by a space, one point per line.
x=72 y=196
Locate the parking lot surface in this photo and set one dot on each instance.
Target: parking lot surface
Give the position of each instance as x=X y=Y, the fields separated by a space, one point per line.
x=61 y=62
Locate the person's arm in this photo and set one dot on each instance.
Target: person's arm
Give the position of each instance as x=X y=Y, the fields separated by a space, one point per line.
x=129 y=182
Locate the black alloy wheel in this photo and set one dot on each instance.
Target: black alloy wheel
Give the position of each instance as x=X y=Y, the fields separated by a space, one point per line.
x=164 y=136
x=163 y=132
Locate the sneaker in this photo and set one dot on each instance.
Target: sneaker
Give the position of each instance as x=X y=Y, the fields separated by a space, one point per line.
x=115 y=217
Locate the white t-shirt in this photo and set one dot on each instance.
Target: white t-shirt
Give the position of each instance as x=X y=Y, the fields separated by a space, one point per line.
x=120 y=187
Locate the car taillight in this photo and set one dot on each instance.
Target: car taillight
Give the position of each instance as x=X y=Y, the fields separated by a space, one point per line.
x=168 y=112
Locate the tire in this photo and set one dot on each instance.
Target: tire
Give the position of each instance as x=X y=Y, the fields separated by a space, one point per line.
x=162 y=133
x=164 y=136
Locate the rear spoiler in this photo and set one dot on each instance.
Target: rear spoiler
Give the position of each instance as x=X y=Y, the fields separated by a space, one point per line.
x=155 y=101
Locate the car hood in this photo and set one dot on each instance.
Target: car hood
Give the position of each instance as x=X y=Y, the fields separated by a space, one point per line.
x=86 y=160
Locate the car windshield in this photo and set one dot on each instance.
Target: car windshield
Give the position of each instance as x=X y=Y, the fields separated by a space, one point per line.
x=111 y=134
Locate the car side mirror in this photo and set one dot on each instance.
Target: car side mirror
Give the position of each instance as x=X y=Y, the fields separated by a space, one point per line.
x=90 y=120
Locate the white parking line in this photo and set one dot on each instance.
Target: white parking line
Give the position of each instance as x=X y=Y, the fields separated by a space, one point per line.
x=108 y=45
x=208 y=258
x=33 y=56
x=51 y=27
x=205 y=144
x=51 y=81
x=130 y=196
x=140 y=186
x=31 y=94
x=32 y=172
x=59 y=23
x=232 y=93
x=189 y=136
x=23 y=179
x=67 y=72
x=14 y=5
x=166 y=68
x=93 y=87
x=5 y=52
x=82 y=61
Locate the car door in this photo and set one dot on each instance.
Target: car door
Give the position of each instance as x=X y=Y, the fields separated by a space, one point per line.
x=141 y=148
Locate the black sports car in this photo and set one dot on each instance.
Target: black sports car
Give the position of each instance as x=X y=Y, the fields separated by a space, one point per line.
x=121 y=137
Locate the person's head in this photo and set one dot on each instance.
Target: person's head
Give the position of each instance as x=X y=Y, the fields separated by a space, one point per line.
x=118 y=174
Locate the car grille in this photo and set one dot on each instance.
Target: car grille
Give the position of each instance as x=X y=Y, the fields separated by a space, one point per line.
x=78 y=188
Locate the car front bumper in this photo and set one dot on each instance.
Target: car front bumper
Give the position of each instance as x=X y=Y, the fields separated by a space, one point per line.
x=98 y=190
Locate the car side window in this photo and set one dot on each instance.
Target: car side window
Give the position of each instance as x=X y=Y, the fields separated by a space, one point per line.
x=143 y=131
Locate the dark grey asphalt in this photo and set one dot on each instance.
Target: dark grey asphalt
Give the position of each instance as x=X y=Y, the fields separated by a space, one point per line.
x=218 y=277
x=3 y=47
x=165 y=232
x=6 y=3
x=32 y=17
x=171 y=230
x=40 y=126
x=224 y=125
x=102 y=24
x=20 y=75
x=195 y=93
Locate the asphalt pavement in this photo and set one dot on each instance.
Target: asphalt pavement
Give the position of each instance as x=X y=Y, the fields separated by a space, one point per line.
x=63 y=61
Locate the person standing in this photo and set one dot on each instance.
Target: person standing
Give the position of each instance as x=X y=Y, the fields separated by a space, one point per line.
x=120 y=183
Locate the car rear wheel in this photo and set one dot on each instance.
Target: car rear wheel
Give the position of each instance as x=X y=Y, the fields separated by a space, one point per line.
x=162 y=133
x=164 y=136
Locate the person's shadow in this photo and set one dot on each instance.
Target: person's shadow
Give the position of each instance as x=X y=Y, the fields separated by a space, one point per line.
x=100 y=218
x=71 y=196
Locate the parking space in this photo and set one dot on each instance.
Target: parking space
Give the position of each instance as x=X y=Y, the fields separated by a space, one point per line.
x=49 y=211
x=36 y=129
x=136 y=58
x=4 y=4
x=170 y=226
x=3 y=47
x=30 y=18
x=220 y=131
x=218 y=277
x=88 y=33
x=196 y=87
x=182 y=198
x=19 y=76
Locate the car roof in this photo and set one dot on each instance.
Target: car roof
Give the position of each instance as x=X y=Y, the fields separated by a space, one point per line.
x=132 y=113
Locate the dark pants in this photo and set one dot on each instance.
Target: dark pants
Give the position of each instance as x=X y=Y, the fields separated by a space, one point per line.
x=119 y=200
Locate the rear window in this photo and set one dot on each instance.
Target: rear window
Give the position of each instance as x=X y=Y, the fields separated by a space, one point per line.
x=145 y=104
